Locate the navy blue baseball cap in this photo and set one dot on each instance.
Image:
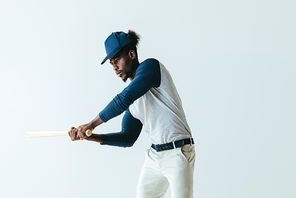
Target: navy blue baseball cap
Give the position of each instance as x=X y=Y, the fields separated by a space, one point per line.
x=114 y=44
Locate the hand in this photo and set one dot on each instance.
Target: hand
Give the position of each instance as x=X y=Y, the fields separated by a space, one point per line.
x=73 y=133
x=82 y=129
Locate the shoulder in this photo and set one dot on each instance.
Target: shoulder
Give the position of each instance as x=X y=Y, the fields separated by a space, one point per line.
x=149 y=71
x=150 y=61
x=149 y=64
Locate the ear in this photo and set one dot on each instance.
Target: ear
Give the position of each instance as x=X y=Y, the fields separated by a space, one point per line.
x=132 y=54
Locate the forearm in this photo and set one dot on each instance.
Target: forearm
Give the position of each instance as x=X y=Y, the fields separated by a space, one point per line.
x=81 y=130
x=121 y=139
x=95 y=138
x=96 y=122
x=131 y=129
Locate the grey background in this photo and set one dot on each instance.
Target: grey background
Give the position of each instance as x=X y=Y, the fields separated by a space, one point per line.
x=233 y=63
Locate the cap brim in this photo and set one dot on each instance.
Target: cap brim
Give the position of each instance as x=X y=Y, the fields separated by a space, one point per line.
x=110 y=55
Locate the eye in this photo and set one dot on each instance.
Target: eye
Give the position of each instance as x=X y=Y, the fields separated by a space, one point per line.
x=114 y=61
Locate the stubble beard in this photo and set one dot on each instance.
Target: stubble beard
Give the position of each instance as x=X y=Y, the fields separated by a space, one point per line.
x=126 y=77
x=124 y=80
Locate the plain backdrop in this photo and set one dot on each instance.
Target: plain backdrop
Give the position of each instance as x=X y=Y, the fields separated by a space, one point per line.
x=233 y=63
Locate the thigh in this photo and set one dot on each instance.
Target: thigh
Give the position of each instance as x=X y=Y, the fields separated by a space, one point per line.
x=179 y=169
x=152 y=183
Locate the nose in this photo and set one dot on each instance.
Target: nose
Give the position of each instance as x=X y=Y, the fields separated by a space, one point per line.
x=115 y=67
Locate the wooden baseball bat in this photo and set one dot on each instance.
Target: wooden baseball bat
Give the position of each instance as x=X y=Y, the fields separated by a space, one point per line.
x=52 y=133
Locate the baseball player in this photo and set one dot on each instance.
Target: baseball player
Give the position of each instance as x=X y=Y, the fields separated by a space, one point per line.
x=150 y=103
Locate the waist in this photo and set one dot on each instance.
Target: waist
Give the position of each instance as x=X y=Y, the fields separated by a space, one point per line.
x=172 y=145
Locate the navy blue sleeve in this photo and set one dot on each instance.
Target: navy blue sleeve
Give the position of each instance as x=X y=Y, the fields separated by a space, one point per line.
x=147 y=76
x=131 y=128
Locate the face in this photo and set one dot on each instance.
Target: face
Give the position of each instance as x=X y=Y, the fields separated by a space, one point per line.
x=123 y=66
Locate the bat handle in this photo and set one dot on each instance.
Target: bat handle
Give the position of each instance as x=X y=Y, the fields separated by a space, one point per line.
x=88 y=132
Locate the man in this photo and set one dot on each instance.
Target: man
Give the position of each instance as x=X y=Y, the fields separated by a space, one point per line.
x=151 y=102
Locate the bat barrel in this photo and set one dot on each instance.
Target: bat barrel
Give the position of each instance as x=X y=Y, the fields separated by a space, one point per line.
x=52 y=133
x=46 y=133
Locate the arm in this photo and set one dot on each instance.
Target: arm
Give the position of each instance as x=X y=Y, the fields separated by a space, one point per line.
x=147 y=76
x=131 y=128
x=80 y=131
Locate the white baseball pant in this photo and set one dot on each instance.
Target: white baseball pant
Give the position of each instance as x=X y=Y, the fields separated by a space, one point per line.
x=172 y=168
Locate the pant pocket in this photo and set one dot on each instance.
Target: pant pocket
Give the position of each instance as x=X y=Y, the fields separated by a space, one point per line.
x=188 y=152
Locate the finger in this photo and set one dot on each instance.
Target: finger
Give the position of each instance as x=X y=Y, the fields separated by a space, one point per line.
x=74 y=130
x=80 y=133
x=72 y=135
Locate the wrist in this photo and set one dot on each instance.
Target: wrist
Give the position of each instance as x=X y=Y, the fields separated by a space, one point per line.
x=93 y=125
x=96 y=122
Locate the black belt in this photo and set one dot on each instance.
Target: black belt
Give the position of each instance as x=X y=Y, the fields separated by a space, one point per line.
x=172 y=145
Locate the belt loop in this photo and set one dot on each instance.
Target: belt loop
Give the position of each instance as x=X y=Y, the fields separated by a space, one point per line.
x=190 y=141
x=174 y=145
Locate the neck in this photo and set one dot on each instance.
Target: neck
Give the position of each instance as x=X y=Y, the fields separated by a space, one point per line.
x=136 y=65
